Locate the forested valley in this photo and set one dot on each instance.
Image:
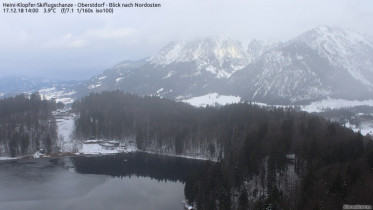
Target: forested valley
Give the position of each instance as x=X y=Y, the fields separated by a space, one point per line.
x=265 y=157
x=27 y=125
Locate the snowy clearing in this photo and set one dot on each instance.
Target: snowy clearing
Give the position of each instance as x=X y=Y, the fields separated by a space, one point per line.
x=212 y=99
x=331 y=103
x=65 y=128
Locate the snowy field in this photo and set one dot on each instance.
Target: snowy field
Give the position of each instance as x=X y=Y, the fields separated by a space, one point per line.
x=212 y=99
x=324 y=104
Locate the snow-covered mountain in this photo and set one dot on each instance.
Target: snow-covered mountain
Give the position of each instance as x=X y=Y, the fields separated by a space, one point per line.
x=180 y=70
x=343 y=49
x=315 y=65
x=324 y=62
x=320 y=63
x=219 y=56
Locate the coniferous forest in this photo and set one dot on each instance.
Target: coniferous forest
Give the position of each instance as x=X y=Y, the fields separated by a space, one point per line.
x=262 y=157
x=27 y=125
x=266 y=157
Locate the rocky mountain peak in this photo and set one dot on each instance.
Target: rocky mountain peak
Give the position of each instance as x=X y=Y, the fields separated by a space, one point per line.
x=219 y=55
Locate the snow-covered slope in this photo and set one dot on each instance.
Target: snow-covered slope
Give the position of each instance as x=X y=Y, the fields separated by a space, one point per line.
x=323 y=62
x=181 y=70
x=65 y=129
x=345 y=49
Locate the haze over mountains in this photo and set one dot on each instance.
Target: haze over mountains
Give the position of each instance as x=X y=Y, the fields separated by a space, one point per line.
x=324 y=62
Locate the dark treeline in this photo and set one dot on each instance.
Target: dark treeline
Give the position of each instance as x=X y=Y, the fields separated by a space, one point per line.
x=157 y=125
x=26 y=125
x=332 y=166
x=165 y=126
x=159 y=167
x=268 y=158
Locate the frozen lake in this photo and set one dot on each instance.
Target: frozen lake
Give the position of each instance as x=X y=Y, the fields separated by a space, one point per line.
x=126 y=181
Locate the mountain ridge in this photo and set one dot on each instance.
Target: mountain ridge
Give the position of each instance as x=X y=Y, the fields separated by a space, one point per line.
x=313 y=66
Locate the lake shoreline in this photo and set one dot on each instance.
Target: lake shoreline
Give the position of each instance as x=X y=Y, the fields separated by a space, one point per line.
x=71 y=154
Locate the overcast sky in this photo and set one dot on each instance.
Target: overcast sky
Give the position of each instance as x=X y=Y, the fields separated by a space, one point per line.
x=77 y=46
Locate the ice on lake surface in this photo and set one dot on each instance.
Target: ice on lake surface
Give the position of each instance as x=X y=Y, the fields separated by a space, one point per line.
x=134 y=181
